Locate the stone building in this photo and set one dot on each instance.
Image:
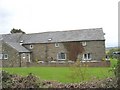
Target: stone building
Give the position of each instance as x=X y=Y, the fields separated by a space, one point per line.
x=86 y=45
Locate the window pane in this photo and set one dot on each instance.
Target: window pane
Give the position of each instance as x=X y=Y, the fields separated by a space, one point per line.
x=88 y=55
x=56 y=44
x=5 y=56
x=61 y=56
x=31 y=46
x=1 y=55
x=85 y=56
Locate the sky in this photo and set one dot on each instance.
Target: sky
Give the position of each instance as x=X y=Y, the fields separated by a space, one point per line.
x=34 y=16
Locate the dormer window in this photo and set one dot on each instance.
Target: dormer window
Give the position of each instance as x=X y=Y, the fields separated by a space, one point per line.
x=56 y=44
x=31 y=46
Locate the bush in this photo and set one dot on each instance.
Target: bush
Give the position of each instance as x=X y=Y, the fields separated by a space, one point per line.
x=106 y=83
x=78 y=73
x=15 y=81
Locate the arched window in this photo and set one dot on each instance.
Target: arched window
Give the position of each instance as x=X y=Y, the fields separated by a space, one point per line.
x=31 y=46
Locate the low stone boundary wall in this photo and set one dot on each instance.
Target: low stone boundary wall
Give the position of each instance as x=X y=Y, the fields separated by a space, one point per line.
x=97 y=64
x=89 y=64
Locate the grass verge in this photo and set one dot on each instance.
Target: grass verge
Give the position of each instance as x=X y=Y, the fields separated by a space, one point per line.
x=63 y=74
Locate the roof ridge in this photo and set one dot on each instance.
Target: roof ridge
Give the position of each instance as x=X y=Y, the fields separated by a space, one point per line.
x=58 y=36
x=65 y=31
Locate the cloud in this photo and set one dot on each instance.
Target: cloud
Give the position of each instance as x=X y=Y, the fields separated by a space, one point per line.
x=5 y=19
x=34 y=16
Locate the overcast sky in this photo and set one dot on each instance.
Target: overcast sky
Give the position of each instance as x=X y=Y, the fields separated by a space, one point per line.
x=33 y=16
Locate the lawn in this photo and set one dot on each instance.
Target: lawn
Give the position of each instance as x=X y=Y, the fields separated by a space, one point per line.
x=64 y=74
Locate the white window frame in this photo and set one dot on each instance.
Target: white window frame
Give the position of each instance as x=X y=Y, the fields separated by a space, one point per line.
x=28 y=56
x=31 y=46
x=84 y=43
x=23 y=55
x=56 y=44
x=5 y=56
x=61 y=58
x=88 y=56
x=1 y=56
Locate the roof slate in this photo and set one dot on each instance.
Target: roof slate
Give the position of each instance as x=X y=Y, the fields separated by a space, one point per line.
x=47 y=37
x=64 y=36
x=17 y=47
x=13 y=41
x=12 y=37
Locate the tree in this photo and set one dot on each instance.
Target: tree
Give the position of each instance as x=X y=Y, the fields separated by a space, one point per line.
x=112 y=53
x=115 y=53
x=118 y=72
x=16 y=31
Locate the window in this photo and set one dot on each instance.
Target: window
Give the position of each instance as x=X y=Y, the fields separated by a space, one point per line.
x=61 y=56
x=87 y=56
x=28 y=56
x=1 y=56
x=31 y=46
x=84 y=43
x=23 y=55
x=5 y=56
x=56 y=44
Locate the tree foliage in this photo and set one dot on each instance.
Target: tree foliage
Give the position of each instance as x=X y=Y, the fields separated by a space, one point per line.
x=16 y=31
x=111 y=53
x=118 y=72
x=73 y=49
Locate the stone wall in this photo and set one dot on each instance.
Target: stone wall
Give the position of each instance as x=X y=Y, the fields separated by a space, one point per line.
x=83 y=64
x=96 y=48
x=96 y=64
x=45 y=51
x=13 y=56
x=49 y=51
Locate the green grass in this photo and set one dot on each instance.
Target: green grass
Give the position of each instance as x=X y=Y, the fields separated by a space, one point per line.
x=63 y=74
x=113 y=62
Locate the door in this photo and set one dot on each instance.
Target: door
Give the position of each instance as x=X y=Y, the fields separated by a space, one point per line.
x=28 y=57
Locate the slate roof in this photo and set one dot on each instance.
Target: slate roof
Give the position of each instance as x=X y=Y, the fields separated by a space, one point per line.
x=47 y=37
x=12 y=37
x=17 y=47
x=64 y=36
x=13 y=41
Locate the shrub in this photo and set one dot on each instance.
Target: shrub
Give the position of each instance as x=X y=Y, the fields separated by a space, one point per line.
x=78 y=73
x=15 y=81
x=30 y=81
